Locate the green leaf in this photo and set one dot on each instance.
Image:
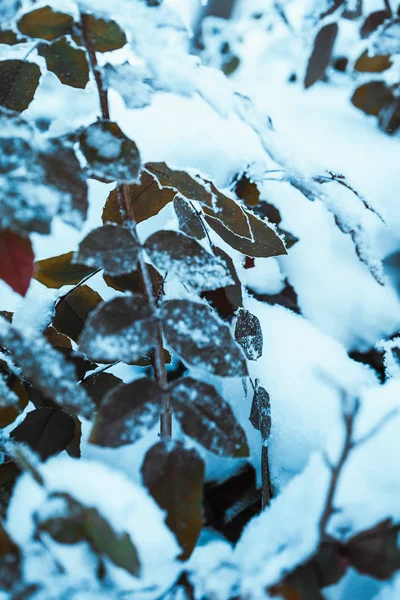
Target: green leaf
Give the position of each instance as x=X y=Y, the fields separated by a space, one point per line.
x=265 y=243
x=181 y=256
x=111 y=247
x=207 y=418
x=127 y=413
x=189 y=221
x=248 y=334
x=321 y=53
x=19 y=80
x=48 y=431
x=201 y=339
x=78 y=522
x=111 y=155
x=174 y=476
x=45 y=23
x=67 y=62
x=105 y=35
x=59 y=270
x=73 y=309
x=122 y=329
x=180 y=181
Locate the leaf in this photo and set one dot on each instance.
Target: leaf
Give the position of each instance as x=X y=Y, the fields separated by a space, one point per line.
x=373 y=21
x=9 y=473
x=122 y=329
x=127 y=413
x=247 y=190
x=189 y=221
x=78 y=522
x=229 y=212
x=113 y=211
x=174 y=476
x=73 y=309
x=201 y=339
x=321 y=53
x=45 y=23
x=13 y=396
x=372 y=64
x=206 y=417
x=181 y=256
x=97 y=385
x=48 y=431
x=353 y=9
x=248 y=334
x=375 y=552
x=105 y=35
x=19 y=80
x=59 y=270
x=181 y=181
x=74 y=447
x=64 y=173
x=111 y=155
x=16 y=261
x=68 y=63
x=373 y=97
x=132 y=282
x=226 y=300
x=10 y=38
x=260 y=414
x=111 y=247
x=10 y=561
x=265 y=242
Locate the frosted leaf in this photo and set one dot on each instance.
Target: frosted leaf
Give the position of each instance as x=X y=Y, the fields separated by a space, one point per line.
x=388 y=42
x=201 y=339
x=206 y=417
x=181 y=256
x=111 y=247
x=260 y=414
x=122 y=329
x=133 y=83
x=248 y=334
x=46 y=369
x=127 y=413
x=111 y=155
x=7 y=396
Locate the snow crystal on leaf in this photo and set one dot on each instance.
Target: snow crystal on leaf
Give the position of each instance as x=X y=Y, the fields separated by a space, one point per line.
x=7 y=396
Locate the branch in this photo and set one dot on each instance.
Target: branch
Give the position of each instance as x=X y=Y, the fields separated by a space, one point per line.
x=157 y=355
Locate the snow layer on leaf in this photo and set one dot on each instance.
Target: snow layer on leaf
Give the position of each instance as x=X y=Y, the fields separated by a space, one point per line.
x=125 y=505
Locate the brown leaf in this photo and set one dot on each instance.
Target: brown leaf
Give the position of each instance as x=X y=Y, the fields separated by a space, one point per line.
x=201 y=339
x=181 y=256
x=99 y=384
x=189 y=221
x=48 y=431
x=110 y=247
x=73 y=309
x=131 y=282
x=174 y=476
x=373 y=21
x=19 y=80
x=372 y=64
x=226 y=300
x=181 y=181
x=67 y=62
x=16 y=261
x=247 y=190
x=373 y=97
x=105 y=35
x=122 y=329
x=321 y=53
x=59 y=270
x=45 y=23
x=265 y=242
x=207 y=418
x=127 y=413
x=147 y=198
x=229 y=212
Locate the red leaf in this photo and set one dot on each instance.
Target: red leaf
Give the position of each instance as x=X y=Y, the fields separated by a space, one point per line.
x=16 y=261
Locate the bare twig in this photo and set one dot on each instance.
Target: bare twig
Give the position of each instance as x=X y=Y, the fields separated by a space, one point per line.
x=157 y=354
x=388 y=7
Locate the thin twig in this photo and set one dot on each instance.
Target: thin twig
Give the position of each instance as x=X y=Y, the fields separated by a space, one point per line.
x=388 y=7
x=100 y=370
x=157 y=355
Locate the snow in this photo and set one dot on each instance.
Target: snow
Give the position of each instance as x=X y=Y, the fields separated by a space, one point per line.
x=125 y=505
